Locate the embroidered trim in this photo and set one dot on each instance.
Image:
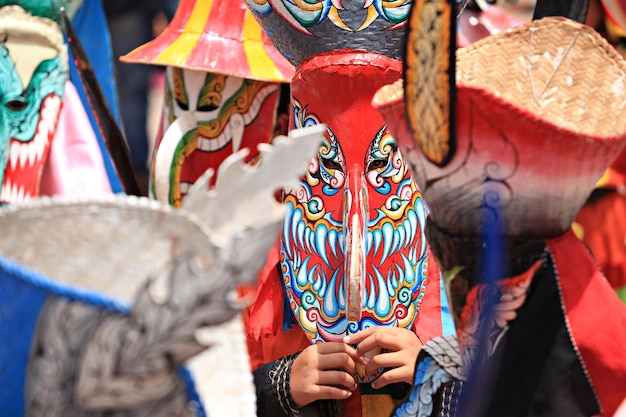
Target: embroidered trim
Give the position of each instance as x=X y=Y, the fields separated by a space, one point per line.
x=279 y=378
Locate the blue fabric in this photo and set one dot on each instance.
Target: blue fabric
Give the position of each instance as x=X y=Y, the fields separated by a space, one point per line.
x=192 y=394
x=23 y=294
x=91 y=27
x=447 y=322
x=19 y=309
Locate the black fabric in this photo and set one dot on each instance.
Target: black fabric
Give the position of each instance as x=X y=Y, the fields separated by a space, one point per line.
x=540 y=374
x=454 y=251
x=116 y=7
x=274 y=396
x=450 y=395
x=572 y=9
x=397 y=391
x=272 y=388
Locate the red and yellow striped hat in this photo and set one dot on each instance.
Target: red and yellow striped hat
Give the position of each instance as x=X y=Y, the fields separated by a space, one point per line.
x=616 y=11
x=215 y=36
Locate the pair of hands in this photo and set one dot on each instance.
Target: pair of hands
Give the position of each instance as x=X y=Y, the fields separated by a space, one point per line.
x=327 y=371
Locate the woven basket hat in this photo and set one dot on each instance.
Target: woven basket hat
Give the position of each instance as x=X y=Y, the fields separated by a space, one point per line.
x=215 y=36
x=103 y=300
x=539 y=117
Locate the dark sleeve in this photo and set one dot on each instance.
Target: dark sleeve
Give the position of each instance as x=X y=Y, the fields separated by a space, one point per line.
x=274 y=396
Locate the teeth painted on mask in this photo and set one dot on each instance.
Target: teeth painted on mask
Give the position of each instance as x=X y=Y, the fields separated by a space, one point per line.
x=396 y=279
x=320 y=285
x=316 y=283
x=6 y=187
x=332 y=242
x=410 y=223
x=20 y=195
x=222 y=139
x=321 y=234
x=258 y=101
x=383 y=301
x=341 y=293
x=296 y=224
x=302 y=278
x=420 y=213
x=306 y=239
x=237 y=126
x=416 y=228
x=300 y=234
x=397 y=240
x=388 y=236
x=423 y=247
x=36 y=145
x=389 y=274
x=23 y=155
x=392 y=275
x=402 y=236
x=332 y=300
x=13 y=193
x=40 y=146
x=342 y=242
x=49 y=116
x=215 y=144
x=409 y=270
x=371 y=295
x=7 y=192
x=14 y=154
x=286 y=229
x=377 y=237
x=415 y=257
x=184 y=187
x=369 y=246
x=50 y=109
x=27 y=196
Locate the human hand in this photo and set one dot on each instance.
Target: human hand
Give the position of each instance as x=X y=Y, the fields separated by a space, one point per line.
x=324 y=371
x=399 y=346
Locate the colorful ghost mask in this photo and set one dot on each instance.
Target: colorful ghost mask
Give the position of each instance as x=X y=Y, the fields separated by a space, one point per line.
x=353 y=252
x=221 y=95
x=358 y=160
x=33 y=72
x=207 y=117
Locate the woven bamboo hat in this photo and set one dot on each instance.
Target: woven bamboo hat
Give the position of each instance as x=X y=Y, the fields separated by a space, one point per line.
x=539 y=117
x=215 y=36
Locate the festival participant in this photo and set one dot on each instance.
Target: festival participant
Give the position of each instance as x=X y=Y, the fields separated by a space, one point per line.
x=600 y=222
x=505 y=166
x=48 y=145
x=222 y=89
x=352 y=290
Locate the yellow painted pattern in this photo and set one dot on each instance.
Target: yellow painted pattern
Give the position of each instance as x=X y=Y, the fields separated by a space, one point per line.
x=179 y=50
x=260 y=64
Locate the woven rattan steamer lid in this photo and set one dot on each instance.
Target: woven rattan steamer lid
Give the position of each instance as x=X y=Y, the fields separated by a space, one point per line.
x=551 y=78
x=539 y=117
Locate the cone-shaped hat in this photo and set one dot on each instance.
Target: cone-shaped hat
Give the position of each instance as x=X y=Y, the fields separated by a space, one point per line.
x=216 y=36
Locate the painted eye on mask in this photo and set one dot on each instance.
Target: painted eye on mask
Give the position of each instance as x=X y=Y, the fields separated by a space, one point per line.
x=332 y=163
x=16 y=105
x=377 y=165
x=383 y=162
x=210 y=97
x=180 y=91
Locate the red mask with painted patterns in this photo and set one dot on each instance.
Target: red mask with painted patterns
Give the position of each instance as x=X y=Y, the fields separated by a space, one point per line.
x=358 y=194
